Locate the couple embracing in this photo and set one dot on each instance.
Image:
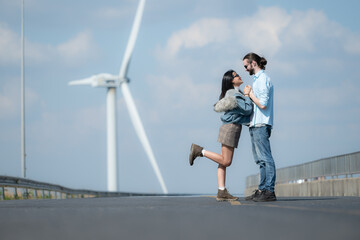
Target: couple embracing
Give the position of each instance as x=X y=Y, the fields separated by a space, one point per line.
x=252 y=107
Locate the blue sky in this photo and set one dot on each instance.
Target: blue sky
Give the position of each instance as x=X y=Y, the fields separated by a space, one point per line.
x=182 y=51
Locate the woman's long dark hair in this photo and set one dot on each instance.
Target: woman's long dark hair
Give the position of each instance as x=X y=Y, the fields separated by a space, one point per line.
x=227 y=83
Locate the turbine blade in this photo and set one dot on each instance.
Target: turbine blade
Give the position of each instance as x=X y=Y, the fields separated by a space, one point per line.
x=132 y=39
x=141 y=133
x=86 y=81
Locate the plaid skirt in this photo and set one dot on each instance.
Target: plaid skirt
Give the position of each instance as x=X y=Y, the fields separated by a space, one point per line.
x=229 y=134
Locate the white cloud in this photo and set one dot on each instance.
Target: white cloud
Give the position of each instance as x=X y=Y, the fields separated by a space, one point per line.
x=10 y=99
x=71 y=126
x=78 y=48
x=10 y=48
x=269 y=31
x=352 y=44
x=319 y=104
x=7 y=106
x=181 y=94
x=303 y=28
x=74 y=51
x=261 y=32
x=199 y=34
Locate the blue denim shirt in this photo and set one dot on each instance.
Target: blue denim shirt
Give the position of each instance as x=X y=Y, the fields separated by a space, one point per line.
x=236 y=106
x=264 y=91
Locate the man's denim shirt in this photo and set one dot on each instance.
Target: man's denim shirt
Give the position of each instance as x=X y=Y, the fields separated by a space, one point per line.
x=264 y=91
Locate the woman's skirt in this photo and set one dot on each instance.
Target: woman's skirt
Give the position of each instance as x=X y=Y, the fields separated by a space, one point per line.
x=229 y=134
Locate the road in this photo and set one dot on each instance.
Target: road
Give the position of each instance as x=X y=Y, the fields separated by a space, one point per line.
x=197 y=217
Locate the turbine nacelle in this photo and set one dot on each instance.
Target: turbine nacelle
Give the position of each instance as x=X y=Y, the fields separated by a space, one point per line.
x=101 y=80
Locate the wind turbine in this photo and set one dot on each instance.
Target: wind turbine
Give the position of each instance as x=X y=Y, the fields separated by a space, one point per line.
x=111 y=82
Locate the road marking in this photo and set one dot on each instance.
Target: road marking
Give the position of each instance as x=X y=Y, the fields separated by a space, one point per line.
x=235 y=203
x=210 y=196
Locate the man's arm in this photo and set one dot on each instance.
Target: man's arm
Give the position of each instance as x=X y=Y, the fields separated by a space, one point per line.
x=256 y=100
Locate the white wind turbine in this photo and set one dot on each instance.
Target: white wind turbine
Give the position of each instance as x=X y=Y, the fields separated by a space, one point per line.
x=111 y=82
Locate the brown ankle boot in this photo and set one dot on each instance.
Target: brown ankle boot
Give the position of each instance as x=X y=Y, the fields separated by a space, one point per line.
x=224 y=195
x=195 y=151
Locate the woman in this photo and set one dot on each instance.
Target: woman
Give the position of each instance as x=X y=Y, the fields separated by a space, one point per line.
x=238 y=108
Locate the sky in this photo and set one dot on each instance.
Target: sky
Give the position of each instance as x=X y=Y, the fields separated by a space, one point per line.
x=183 y=49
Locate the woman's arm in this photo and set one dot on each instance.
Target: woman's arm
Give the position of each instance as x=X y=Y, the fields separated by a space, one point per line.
x=245 y=106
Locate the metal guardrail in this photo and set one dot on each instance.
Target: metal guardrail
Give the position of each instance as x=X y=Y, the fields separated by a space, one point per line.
x=342 y=165
x=21 y=188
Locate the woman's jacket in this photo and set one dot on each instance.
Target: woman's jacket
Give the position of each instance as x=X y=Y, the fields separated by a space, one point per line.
x=236 y=107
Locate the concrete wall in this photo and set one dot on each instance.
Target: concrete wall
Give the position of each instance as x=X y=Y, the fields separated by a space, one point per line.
x=332 y=187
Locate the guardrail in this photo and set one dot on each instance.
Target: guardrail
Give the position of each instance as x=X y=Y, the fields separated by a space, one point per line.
x=342 y=166
x=20 y=188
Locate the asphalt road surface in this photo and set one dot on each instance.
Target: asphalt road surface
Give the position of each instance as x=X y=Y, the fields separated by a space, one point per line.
x=197 y=217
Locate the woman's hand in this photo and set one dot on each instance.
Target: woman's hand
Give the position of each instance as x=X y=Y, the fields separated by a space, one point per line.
x=247 y=90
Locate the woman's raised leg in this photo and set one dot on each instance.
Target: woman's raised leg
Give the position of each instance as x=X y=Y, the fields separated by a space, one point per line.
x=225 y=158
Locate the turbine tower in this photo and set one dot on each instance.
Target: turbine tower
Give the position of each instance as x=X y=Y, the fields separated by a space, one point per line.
x=111 y=82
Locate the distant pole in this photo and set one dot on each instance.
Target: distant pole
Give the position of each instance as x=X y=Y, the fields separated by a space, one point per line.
x=23 y=154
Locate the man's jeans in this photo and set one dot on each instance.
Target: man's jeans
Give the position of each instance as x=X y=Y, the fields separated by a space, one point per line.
x=262 y=156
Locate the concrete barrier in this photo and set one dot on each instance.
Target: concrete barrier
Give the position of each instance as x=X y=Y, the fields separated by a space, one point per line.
x=319 y=188
x=332 y=176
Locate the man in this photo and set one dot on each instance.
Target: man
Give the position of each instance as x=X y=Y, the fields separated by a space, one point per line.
x=262 y=94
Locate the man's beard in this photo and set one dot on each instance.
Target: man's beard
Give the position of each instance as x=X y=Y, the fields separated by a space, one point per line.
x=251 y=71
